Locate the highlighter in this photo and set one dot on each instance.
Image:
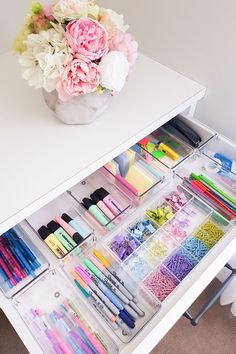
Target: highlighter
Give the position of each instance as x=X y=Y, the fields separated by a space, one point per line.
x=62 y=235
x=110 y=202
x=78 y=225
x=50 y=239
x=98 y=201
x=74 y=234
x=95 y=211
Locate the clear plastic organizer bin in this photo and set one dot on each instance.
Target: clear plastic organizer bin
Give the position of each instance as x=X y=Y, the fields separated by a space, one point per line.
x=60 y=225
x=200 y=174
x=20 y=261
x=59 y=321
x=222 y=150
x=140 y=178
x=164 y=147
x=100 y=201
x=141 y=227
x=123 y=305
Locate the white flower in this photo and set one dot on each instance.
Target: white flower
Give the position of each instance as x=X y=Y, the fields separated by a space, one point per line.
x=114 y=69
x=64 y=10
x=112 y=21
x=44 y=58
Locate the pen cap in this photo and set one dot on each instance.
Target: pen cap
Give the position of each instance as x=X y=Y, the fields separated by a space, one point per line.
x=87 y=203
x=95 y=197
x=53 y=226
x=101 y=193
x=44 y=232
x=66 y=218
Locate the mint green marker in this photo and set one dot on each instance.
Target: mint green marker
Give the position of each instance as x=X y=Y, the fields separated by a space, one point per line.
x=62 y=236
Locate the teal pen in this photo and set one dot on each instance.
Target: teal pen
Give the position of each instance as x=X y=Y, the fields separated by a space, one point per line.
x=150 y=169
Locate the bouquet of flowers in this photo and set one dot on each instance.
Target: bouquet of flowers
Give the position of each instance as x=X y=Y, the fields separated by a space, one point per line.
x=75 y=47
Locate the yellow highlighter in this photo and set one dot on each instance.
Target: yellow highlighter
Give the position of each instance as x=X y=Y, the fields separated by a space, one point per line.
x=169 y=152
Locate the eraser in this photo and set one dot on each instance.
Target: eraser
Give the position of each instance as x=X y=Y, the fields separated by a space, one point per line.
x=158 y=154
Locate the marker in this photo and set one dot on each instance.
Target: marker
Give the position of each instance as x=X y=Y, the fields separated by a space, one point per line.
x=74 y=234
x=93 y=298
x=62 y=235
x=110 y=272
x=113 y=287
x=123 y=314
x=96 y=290
x=112 y=297
x=78 y=225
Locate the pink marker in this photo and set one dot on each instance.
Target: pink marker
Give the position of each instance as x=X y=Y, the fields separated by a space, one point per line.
x=101 y=204
x=109 y=201
x=73 y=233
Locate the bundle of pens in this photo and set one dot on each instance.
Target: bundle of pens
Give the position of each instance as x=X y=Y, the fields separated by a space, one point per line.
x=110 y=295
x=133 y=172
x=64 y=330
x=212 y=194
x=63 y=234
x=17 y=261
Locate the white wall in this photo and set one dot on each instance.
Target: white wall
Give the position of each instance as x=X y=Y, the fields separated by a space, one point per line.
x=196 y=38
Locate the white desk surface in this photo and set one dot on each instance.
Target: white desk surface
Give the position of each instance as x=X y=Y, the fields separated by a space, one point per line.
x=38 y=154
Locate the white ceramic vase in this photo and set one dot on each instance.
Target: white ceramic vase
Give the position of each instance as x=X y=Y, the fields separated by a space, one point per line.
x=82 y=109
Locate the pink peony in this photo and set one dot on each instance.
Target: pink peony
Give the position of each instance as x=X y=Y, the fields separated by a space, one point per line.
x=88 y=38
x=125 y=43
x=79 y=77
x=47 y=11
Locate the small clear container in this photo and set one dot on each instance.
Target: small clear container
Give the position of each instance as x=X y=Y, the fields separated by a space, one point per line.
x=212 y=230
x=187 y=219
x=200 y=174
x=161 y=245
x=59 y=321
x=130 y=296
x=21 y=261
x=139 y=177
x=161 y=283
x=164 y=147
x=180 y=263
x=111 y=204
x=77 y=229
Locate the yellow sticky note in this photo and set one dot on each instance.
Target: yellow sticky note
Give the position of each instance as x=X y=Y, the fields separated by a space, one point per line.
x=139 y=179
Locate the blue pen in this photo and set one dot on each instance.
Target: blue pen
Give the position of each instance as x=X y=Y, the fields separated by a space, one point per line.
x=29 y=256
x=28 y=251
x=23 y=262
x=5 y=278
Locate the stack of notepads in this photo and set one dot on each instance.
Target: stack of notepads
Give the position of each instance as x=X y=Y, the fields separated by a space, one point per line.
x=135 y=173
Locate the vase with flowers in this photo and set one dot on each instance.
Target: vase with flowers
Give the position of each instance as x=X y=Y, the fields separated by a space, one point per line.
x=78 y=53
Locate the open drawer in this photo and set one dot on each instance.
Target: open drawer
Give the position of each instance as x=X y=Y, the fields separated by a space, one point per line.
x=170 y=226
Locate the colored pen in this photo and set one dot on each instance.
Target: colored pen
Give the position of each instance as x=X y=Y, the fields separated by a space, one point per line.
x=95 y=299
x=75 y=315
x=96 y=290
x=123 y=314
x=110 y=272
x=113 y=287
x=213 y=186
x=207 y=192
x=5 y=278
x=11 y=260
x=7 y=272
x=114 y=299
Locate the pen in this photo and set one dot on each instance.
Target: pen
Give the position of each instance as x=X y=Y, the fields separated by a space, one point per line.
x=96 y=271
x=207 y=192
x=213 y=186
x=95 y=299
x=96 y=290
x=110 y=272
x=119 y=310
x=71 y=307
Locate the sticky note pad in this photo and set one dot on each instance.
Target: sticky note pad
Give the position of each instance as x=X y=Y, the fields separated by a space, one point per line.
x=131 y=155
x=139 y=179
x=150 y=147
x=123 y=162
x=158 y=154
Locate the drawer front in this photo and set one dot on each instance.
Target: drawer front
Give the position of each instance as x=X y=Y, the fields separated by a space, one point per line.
x=165 y=246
